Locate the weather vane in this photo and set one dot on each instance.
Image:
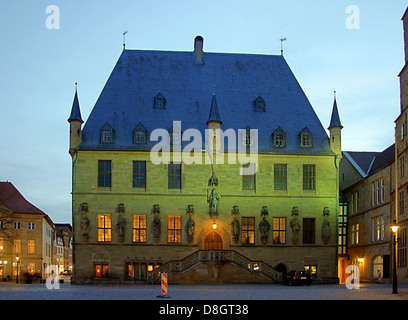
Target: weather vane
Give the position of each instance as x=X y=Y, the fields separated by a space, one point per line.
x=124 y=39
x=281 y=40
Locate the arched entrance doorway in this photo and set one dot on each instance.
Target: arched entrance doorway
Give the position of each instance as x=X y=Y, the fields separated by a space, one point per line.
x=213 y=241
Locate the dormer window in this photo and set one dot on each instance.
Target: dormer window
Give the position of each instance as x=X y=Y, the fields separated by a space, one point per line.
x=306 y=139
x=248 y=137
x=107 y=133
x=279 y=138
x=259 y=104
x=159 y=102
x=140 y=134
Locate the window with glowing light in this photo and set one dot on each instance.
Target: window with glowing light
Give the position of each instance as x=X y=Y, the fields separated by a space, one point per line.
x=174 y=229
x=248 y=230
x=104 y=222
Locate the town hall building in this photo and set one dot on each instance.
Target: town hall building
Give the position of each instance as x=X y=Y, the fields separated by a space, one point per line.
x=211 y=167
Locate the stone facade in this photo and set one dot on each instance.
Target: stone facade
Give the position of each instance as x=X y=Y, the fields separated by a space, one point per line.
x=205 y=222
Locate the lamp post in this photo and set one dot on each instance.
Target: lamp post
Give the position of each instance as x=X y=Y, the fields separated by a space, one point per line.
x=17 y=262
x=394 y=229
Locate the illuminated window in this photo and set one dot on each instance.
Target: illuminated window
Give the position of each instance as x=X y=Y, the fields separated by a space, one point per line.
x=31 y=246
x=355 y=233
x=174 y=229
x=104 y=227
x=312 y=269
x=17 y=246
x=377 y=228
x=31 y=268
x=1 y=245
x=101 y=270
x=248 y=230
x=378 y=266
x=402 y=248
x=342 y=235
x=279 y=230
x=139 y=228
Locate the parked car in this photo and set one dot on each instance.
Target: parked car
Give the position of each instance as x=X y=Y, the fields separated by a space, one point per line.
x=298 y=277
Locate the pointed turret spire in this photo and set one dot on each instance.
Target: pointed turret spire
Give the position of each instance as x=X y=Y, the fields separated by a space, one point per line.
x=75 y=123
x=335 y=118
x=214 y=114
x=75 y=111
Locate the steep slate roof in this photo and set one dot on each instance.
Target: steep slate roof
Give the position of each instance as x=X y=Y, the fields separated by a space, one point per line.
x=367 y=163
x=139 y=75
x=12 y=199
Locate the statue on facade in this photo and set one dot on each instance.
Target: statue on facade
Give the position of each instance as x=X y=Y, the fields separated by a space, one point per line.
x=213 y=200
x=121 y=227
x=236 y=227
x=264 y=225
x=156 y=224
x=84 y=222
x=294 y=224
x=326 y=226
x=120 y=209
x=190 y=225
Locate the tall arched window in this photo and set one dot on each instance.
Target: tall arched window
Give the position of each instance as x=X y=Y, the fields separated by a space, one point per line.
x=378 y=267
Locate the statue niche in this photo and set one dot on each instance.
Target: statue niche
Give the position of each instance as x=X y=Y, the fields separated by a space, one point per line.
x=156 y=224
x=236 y=227
x=190 y=224
x=120 y=209
x=264 y=225
x=326 y=226
x=84 y=222
x=295 y=225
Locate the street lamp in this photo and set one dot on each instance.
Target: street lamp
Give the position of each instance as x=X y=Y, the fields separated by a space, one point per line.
x=17 y=262
x=394 y=229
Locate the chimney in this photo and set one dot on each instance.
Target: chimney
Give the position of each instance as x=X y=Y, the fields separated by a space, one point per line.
x=198 y=49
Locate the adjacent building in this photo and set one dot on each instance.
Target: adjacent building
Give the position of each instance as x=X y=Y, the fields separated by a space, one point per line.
x=212 y=167
x=400 y=208
x=28 y=239
x=367 y=181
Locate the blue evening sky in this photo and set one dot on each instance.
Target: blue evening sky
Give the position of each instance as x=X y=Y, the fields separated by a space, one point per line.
x=39 y=68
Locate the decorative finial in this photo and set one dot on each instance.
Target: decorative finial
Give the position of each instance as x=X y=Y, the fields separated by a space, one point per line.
x=76 y=86
x=213 y=89
x=334 y=94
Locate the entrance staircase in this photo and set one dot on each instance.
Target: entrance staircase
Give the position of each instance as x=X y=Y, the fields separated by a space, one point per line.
x=217 y=266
